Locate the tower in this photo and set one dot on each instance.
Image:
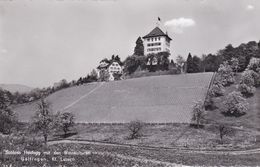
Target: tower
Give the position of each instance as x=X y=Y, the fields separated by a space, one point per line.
x=156 y=41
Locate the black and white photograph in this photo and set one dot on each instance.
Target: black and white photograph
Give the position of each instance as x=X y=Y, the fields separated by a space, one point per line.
x=129 y=83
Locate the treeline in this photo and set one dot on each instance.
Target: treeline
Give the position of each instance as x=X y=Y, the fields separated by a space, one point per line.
x=211 y=62
x=36 y=94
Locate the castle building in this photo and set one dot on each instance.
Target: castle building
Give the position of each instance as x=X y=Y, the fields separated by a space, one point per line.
x=156 y=41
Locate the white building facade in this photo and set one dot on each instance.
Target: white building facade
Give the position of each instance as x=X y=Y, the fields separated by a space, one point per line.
x=114 y=68
x=156 y=41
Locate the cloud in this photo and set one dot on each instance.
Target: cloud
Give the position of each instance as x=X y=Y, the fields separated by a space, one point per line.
x=250 y=7
x=177 y=25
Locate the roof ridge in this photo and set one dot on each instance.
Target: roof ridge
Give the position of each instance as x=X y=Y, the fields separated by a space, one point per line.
x=156 y=32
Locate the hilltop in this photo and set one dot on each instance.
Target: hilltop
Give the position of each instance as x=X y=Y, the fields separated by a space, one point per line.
x=166 y=98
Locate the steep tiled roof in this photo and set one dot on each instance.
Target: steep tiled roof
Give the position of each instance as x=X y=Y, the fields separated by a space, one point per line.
x=156 y=32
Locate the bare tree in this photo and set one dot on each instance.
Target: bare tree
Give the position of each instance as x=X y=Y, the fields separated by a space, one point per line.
x=135 y=129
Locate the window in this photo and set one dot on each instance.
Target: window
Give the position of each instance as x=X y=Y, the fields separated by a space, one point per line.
x=154 y=44
x=148 y=39
x=154 y=49
x=159 y=38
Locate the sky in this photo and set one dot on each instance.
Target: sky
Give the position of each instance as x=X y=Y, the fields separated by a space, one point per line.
x=44 y=41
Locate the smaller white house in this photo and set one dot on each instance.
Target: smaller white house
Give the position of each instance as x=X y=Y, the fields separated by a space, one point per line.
x=114 y=68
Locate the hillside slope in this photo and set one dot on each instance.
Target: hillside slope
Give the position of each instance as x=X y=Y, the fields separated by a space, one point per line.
x=151 y=99
x=16 y=88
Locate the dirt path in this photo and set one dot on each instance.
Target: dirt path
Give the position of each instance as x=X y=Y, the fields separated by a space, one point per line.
x=82 y=97
x=141 y=159
x=180 y=150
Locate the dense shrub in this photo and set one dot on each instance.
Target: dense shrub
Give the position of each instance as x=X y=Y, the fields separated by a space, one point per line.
x=225 y=74
x=235 y=104
x=224 y=130
x=217 y=89
x=234 y=64
x=209 y=103
x=246 y=90
x=247 y=83
x=254 y=64
x=65 y=121
x=135 y=129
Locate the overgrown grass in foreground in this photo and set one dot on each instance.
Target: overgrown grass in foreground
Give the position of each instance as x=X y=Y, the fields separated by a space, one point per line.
x=86 y=158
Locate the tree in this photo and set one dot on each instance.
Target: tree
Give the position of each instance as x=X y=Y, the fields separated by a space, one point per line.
x=189 y=64
x=228 y=52
x=135 y=129
x=139 y=48
x=179 y=60
x=133 y=62
x=118 y=60
x=62 y=84
x=225 y=74
x=104 y=75
x=243 y=53
x=130 y=64
x=254 y=65
x=8 y=119
x=163 y=61
x=258 y=53
x=234 y=64
x=180 y=63
x=198 y=113
x=246 y=85
x=217 y=89
x=235 y=104
x=211 y=63
x=203 y=57
x=117 y=76
x=93 y=76
x=43 y=121
x=196 y=64
x=224 y=131
x=80 y=81
x=66 y=121
x=152 y=62
x=112 y=58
